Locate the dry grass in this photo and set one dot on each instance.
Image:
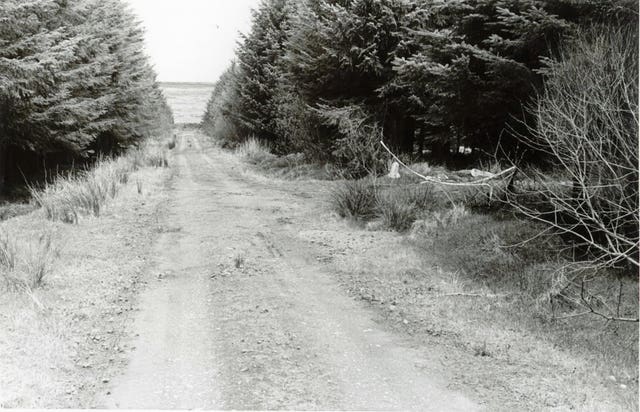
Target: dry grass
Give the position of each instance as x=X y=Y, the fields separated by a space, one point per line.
x=254 y=151
x=148 y=155
x=354 y=199
x=504 y=289
x=290 y=167
x=395 y=206
x=25 y=262
x=84 y=194
x=395 y=213
x=55 y=354
x=10 y=210
x=87 y=193
x=471 y=283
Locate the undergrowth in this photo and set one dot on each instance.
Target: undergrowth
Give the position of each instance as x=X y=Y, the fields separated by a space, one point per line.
x=254 y=151
x=291 y=166
x=396 y=207
x=86 y=193
x=472 y=233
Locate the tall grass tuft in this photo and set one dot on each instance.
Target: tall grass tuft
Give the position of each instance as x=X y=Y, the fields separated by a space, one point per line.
x=354 y=198
x=396 y=212
x=148 y=156
x=254 y=151
x=25 y=263
x=395 y=207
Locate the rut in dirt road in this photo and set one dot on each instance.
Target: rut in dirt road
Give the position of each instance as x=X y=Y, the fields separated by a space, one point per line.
x=242 y=316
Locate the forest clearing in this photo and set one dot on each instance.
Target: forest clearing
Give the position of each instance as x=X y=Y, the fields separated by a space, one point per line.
x=353 y=217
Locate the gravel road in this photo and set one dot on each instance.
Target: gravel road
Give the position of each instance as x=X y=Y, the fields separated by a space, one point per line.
x=241 y=314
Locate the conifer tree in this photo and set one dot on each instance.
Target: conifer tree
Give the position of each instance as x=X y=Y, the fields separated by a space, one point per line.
x=72 y=72
x=259 y=68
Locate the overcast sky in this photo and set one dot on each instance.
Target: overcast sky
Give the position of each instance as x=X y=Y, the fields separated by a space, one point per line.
x=192 y=40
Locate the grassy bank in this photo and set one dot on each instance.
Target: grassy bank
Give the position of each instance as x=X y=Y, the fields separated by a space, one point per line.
x=70 y=270
x=26 y=260
x=497 y=285
x=86 y=193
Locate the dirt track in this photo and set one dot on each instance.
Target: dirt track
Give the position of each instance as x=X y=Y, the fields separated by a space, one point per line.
x=244 y=316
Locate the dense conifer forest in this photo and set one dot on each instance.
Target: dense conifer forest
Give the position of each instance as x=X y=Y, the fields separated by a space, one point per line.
x=428 y=75
x=74 y=84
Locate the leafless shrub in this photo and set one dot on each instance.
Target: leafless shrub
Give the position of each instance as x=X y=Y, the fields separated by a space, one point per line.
x=587 y=122
x=584 y=291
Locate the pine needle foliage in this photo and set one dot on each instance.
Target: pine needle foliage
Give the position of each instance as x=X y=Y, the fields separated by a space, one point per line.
x=74 y=78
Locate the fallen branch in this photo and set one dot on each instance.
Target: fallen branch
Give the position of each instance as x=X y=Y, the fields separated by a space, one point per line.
x=400 y=162
x=474 y=295
x=480 y=182
x=587 y=303
x=573 y=315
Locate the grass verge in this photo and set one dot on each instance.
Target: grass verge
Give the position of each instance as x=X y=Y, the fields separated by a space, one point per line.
x=292 y=166
x=497 y=286
x=86 y=193
x=65 y=339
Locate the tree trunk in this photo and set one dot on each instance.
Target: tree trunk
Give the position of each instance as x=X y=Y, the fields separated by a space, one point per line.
x=439 y=151
x=391 y=131
x=3 y=167
x=408 y=135
x=421 y=143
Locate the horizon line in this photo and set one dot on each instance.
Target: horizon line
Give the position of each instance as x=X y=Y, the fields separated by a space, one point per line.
x=186 y=82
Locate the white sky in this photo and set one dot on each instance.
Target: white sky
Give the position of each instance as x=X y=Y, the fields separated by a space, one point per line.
x=192 y=40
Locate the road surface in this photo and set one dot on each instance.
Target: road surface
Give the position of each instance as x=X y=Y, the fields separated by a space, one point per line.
x=241 y=315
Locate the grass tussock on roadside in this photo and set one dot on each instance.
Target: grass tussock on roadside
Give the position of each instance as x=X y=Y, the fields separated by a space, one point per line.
x=292 y=166
x=86 y=193
x=25 y=262
x=254 y=151
x=354 y=199
x=381 y=205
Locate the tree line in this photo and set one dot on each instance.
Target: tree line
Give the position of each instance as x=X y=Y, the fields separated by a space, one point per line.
x=429 y=76
x=74 y=83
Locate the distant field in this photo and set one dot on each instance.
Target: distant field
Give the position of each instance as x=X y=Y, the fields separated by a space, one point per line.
x=187 y=100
